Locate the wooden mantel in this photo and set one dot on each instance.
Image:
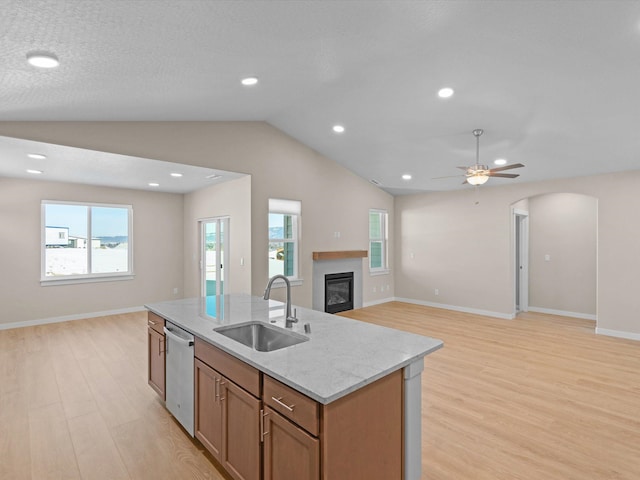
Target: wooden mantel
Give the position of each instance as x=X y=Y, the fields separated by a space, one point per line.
x=336 y=255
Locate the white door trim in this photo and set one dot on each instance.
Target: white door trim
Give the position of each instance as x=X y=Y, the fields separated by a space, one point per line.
x=523 y=261
x=219 y=262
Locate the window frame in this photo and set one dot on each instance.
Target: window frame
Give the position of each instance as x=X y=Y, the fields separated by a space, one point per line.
x=292 y=208
x=383 y=239
x=85 y=277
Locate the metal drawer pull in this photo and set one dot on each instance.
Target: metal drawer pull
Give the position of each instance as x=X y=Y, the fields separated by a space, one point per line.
x=263 y=432
x=217 y=389
x=279 y=402
x=222 y=382
x=151 y=322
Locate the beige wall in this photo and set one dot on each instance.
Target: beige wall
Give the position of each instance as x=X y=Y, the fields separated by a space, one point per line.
x=465 y=249
x=229 y=199
x=563 y=226
x=333 y=198
x=157 y=255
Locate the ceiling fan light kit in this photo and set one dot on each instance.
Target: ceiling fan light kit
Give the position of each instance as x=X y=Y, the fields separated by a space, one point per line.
x=479 y=174
x=477 y=179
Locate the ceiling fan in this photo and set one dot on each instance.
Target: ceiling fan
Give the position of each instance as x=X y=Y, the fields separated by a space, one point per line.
x=478 y=174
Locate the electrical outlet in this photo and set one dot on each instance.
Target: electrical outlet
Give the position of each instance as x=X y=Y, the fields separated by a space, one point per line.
x=175 y=290
x=436 y=291
x=374 y=289
x=412 y=256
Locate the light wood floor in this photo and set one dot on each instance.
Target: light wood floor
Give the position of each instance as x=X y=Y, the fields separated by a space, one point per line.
x=539 y=398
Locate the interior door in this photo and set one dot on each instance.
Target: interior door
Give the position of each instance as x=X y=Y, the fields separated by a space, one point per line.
x=214 y=240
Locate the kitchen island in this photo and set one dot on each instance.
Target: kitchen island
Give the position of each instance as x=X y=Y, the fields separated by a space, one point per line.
x=345 y=370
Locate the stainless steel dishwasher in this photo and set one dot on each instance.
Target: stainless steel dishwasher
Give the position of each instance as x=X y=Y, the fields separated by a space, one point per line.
x=179 y=375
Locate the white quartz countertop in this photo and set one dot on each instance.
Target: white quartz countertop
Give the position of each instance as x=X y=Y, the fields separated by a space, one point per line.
x=341 y=356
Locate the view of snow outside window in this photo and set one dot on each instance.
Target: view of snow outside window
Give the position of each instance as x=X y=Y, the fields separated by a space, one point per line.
x=282 y=244
x=70 y=251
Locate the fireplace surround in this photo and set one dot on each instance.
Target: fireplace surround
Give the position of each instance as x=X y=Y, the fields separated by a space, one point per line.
x=328 y=267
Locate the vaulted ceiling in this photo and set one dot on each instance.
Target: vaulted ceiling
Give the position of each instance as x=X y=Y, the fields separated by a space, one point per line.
x=554 y=84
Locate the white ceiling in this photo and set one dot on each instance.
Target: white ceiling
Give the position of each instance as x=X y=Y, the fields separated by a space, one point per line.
x=554 y=84
x=79 y=165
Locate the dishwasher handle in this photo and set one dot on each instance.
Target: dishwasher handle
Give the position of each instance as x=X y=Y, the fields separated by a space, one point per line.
x=176 y=338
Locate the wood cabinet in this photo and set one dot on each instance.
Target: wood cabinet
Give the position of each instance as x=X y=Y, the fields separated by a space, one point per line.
x=240 y=432
x=289 y=451
x=208 y=408
x=360 y=434
x=292 y=404
x=227 y=417
x=259 y=428
x=156 y=353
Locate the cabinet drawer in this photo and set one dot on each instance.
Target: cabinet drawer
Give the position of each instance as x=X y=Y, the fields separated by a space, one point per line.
x=292 y=404
x=155 y=322
x=235 y=370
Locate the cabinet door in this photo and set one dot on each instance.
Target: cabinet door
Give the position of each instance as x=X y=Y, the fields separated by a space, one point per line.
x=156 y=361
x=289 y=451
x=208 y=408
x=241 y=432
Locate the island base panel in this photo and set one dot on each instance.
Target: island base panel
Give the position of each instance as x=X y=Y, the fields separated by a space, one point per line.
x=362 y=433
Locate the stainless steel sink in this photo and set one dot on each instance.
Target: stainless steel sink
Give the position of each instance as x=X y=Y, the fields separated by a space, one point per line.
x=261 y=336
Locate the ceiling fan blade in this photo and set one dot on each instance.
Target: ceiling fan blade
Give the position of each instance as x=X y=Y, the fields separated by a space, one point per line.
x=465 y=182
x=448 y=176
x=463 y=168
x=503 y=175
x=507 y=167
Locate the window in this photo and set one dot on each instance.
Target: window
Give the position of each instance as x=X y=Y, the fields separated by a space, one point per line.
x=284 y=225
x=85 y=242
x=378 y=241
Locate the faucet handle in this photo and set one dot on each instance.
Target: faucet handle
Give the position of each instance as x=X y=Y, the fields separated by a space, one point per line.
x=289 y=321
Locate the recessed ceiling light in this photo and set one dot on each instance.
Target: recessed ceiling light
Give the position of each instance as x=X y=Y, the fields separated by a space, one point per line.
x=338 y=128
x=445 y=92
x=249 y=81
x=153 y=184
x=35 y=172
x=177 y=175
x=500 y=161
x=36 y=156
x=43 y=59
x=406 y=176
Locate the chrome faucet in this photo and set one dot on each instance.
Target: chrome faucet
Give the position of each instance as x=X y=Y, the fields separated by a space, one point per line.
x=289 y=319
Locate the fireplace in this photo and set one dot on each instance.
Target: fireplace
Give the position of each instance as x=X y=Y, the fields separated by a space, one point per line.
x=338 y=292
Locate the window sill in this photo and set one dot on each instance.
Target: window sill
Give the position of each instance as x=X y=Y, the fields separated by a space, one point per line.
x=295 y=282
x=383 y=271
x=50 y=282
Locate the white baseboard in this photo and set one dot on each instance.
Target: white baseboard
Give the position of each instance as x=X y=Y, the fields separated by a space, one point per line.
x=564 y=313
x=378 y=302
x=618 y=333
x=67 y=318
x=485 y=313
